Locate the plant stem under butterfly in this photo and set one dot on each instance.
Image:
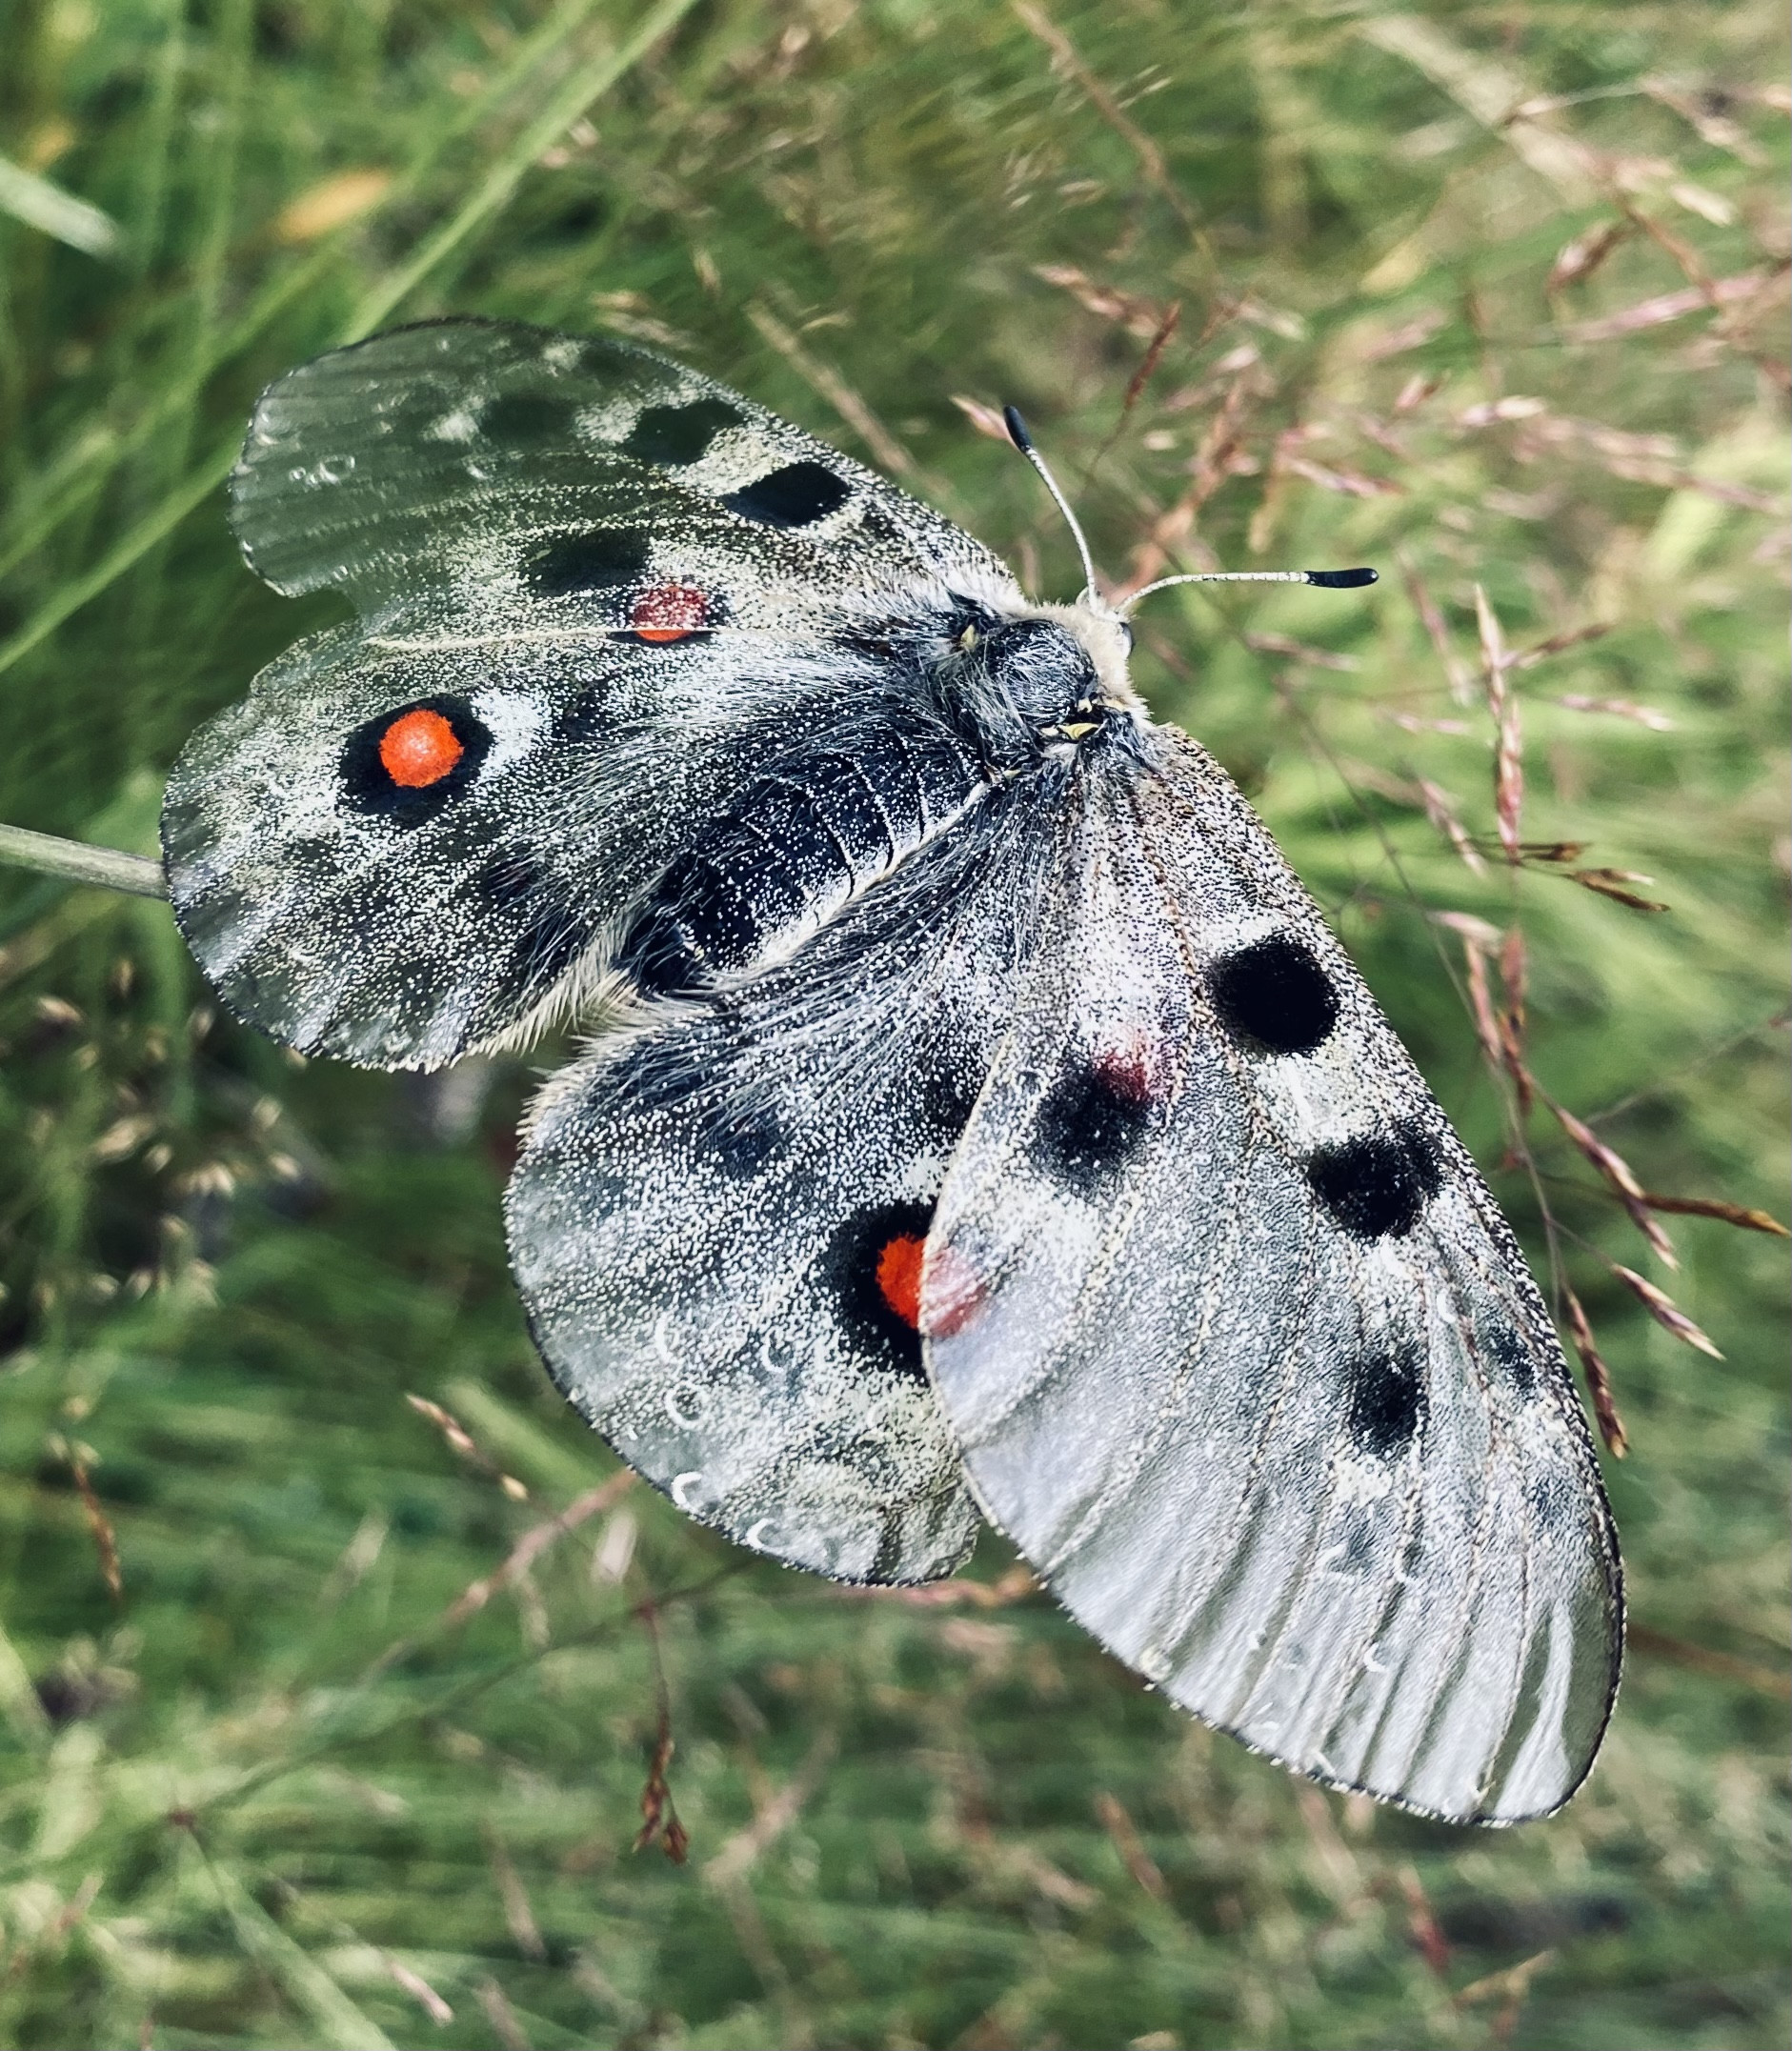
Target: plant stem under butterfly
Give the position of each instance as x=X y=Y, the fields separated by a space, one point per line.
x=659 y=1818
x=79 y=861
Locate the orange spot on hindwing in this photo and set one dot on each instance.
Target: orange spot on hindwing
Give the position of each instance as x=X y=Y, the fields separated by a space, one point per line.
x=670 y=613
x=900 y=1277
x=872 y=1268
x=418 y=749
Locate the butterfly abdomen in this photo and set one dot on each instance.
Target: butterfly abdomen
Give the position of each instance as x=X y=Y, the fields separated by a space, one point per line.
x=817 y=827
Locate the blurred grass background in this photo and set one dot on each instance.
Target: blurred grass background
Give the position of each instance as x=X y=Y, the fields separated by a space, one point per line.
x=1481 y=293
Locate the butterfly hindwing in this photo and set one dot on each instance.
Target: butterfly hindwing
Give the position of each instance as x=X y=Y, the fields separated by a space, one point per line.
x=1239 y=1351
x=717 y=1222
x=600 y=594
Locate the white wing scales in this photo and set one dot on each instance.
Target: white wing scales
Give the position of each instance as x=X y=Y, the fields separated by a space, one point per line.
x=427 y=470
x=1239 y=1353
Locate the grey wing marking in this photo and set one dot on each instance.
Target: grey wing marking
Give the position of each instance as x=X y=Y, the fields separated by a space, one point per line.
x=1240 y=1352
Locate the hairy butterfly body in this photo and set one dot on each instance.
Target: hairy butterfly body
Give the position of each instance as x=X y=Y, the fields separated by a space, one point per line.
x=983 y=1118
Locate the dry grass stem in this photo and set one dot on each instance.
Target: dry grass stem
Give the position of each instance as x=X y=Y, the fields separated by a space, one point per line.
x=535 y=1541
x=462 y=1442
x=1598 y=1379
x=1663 y=1308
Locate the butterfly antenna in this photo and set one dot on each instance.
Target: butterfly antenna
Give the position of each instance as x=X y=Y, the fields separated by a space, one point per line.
x=1023 y=441
x=1327 y=579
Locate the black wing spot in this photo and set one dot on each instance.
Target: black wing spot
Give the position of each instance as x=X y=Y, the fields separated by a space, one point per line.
x=1513 y=1358
x=529 y=419
x=851 y=1267
x=797 y=495
x=876 y=524
x=1387 y=1403
x=945 y=1093
x=600 y=561
x=1089 y=1124
x=1274 y=995
x=1375 y=1187
x=680 y=434
x=368 y=785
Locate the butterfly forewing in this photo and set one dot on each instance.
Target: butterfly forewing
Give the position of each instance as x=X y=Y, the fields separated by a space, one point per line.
x=598 y=594
x=1238 y=1351
x=487 y=462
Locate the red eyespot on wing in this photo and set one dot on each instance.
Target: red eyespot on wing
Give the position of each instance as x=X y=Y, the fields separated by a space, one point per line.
x=670 y=613
x=418 y=749
x=900 y=1277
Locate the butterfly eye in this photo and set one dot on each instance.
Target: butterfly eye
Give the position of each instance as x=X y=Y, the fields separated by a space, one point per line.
x=670 y=613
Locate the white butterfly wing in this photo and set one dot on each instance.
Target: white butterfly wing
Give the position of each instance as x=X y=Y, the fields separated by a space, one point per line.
x=611 y=591
x=478 y=470
x=1239 y=1351
x=702 y=1219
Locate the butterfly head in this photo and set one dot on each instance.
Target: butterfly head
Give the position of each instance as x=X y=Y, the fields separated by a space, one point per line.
x=1037 y=678
x=1088 y=638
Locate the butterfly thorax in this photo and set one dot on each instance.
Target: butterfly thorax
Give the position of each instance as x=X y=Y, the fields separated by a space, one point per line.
x=986 y=696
